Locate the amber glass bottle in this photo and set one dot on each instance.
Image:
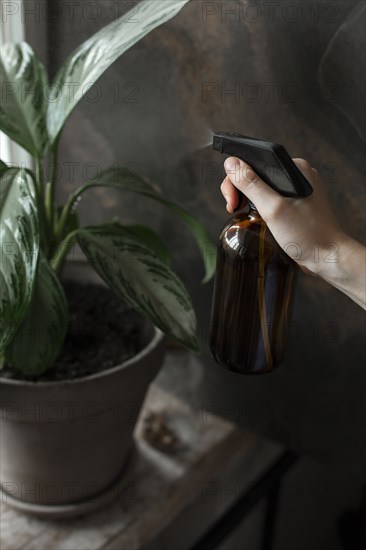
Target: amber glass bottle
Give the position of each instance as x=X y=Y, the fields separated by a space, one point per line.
x=252 y=299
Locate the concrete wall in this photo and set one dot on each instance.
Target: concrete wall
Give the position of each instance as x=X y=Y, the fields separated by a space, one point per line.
x=298 y=77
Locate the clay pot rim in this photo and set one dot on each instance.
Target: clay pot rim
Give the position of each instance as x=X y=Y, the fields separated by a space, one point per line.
x=153 y=343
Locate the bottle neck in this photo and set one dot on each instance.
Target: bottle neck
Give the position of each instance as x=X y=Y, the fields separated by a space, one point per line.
x=253 y=212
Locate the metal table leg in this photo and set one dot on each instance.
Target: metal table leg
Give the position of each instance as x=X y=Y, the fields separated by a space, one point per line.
x=267 y=485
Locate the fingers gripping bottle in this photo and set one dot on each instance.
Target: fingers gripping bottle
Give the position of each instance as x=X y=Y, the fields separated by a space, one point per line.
x=255 y=279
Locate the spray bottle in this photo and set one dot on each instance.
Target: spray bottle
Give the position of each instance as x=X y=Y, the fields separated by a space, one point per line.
x=255 y=279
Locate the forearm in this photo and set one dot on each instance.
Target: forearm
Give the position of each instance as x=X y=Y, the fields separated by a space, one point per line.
x=348 y=272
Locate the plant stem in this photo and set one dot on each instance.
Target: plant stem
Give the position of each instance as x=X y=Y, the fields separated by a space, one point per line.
x=62 y=221
x=69 y=205
x=42 y=214
x=39 y=176
x=61 y=252
x=50 y=196
x=48 y=204
x=37 y=191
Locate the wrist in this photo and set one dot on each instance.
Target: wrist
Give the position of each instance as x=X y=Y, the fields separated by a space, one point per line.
x=326 y=260
x=341 y=262
x=348 y=274
x=333 y=266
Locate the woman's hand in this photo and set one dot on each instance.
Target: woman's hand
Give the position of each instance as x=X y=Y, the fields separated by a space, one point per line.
x=305 y=228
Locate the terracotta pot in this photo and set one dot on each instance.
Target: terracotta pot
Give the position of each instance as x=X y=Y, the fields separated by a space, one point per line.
x=64 y=444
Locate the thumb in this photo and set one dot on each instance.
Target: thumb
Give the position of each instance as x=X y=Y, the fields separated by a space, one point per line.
x=243 y=177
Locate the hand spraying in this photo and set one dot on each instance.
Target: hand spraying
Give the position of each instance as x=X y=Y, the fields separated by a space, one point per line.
x=255 y=279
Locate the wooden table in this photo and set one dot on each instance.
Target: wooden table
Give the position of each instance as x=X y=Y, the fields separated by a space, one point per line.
x=171 y=494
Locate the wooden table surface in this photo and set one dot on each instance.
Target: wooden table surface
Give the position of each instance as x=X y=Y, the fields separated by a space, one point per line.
x=171 y=492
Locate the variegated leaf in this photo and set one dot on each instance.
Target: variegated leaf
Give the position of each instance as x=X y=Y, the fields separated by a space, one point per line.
x=89 y=61
x=142 y=279
x=150 y=239
x=42 y=331
x=124 y=179
x=19 y=248
x=23 y=111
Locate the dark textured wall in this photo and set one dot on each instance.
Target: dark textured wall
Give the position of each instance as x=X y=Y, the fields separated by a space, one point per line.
x=297 y=73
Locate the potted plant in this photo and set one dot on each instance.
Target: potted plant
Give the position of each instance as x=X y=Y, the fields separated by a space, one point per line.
x=64 y=442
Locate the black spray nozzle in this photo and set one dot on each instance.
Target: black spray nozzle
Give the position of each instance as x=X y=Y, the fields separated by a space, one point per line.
x=269 y=160
x=229 y=143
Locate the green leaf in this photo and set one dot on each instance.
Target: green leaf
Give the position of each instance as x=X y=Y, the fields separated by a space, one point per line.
x=24 y=97
x=89 y=61
x=3 y=166
x=19 y=242
x=41 y=334
x=150 y=239
x=141 y=279
x=124 y=179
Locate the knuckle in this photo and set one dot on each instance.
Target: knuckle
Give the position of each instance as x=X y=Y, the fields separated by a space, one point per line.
x=249 y=178
x=251 y=186
x=275 y=209
x=249 y=175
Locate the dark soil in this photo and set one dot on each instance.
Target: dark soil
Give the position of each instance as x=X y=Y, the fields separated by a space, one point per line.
x=103 y=332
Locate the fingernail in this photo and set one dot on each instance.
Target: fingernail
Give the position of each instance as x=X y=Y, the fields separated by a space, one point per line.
x=231 y=164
